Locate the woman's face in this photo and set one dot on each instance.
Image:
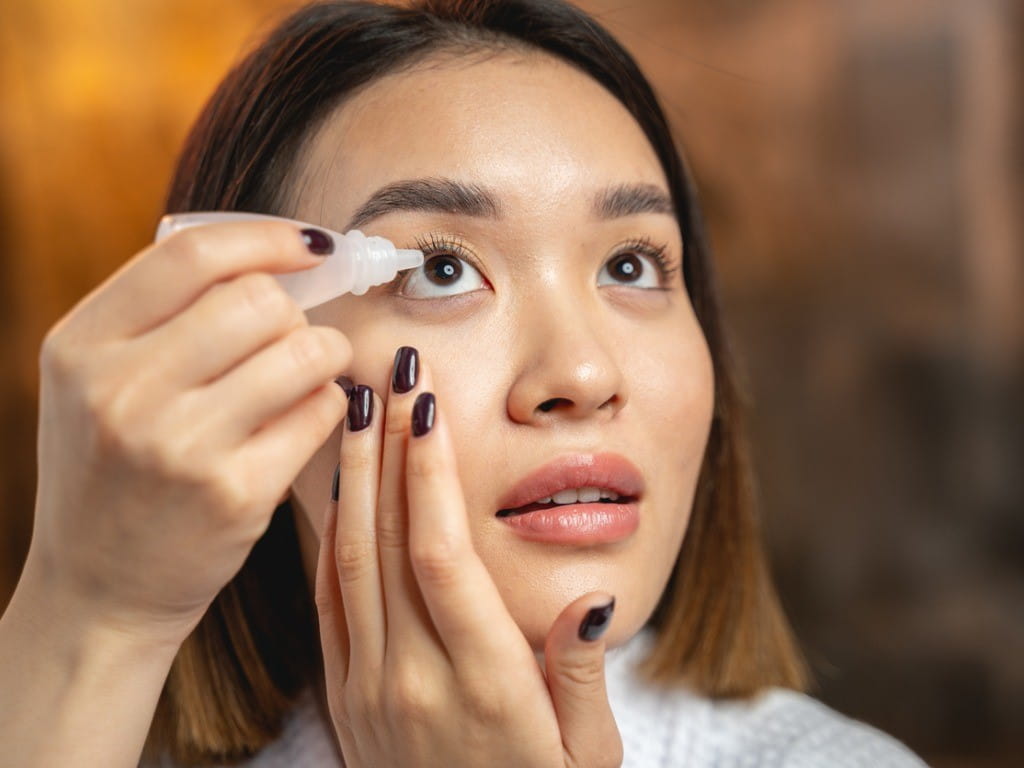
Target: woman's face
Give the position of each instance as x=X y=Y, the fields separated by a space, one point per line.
x=547 y=298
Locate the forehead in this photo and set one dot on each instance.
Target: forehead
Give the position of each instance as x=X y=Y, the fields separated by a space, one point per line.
x=540 y=133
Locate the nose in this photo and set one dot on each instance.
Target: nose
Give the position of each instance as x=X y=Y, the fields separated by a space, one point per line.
x=568 y=365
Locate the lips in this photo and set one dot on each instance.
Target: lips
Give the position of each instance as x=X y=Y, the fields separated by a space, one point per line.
x=610 y=471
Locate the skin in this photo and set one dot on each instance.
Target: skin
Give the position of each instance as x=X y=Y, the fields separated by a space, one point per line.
x=539 y=319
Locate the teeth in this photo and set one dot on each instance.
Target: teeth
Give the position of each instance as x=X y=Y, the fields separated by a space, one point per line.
x=568 y=496
x=574 y=495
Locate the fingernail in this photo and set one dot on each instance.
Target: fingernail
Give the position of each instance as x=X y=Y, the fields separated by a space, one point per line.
x=345 y=383
x=360 y=408
x=334 y=482
x=405 y=370
x=317 y=241
x=423 y=414
x=596 y=622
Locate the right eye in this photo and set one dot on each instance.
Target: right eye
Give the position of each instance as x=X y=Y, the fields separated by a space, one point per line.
x=444 y=273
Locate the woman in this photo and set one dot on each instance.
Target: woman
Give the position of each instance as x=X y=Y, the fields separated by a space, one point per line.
x=536 y=458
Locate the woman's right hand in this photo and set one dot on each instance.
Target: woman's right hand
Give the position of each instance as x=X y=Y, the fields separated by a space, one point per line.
x=178 y=402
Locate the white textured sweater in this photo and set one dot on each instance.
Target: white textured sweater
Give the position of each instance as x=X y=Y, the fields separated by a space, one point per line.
x=668 y=727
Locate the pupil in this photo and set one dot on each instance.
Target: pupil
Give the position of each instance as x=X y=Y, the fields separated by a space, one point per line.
x=444 y=268
x=628 y=267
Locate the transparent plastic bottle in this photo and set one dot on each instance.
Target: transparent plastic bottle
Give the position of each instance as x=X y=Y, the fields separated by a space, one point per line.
x=357 y=263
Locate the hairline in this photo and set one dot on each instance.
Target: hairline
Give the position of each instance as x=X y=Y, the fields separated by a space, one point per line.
x=465 y=48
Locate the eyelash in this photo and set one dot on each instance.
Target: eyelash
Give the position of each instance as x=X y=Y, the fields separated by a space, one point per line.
x=435 y=244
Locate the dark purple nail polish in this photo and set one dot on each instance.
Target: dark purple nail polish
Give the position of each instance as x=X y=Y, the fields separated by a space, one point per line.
x=334 y=482
x=423 y=414
x=317 y=241
x=360 y=408
x=406 y=370
x=345 y=383
x=596 y=622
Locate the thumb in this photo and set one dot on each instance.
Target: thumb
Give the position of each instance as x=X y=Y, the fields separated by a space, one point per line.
x=574 y=661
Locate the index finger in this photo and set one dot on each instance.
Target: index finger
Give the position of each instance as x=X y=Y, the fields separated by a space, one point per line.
x=163 y=279
x=464 y=603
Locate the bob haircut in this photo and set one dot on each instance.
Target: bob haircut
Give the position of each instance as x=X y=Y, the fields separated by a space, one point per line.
x=719 y=627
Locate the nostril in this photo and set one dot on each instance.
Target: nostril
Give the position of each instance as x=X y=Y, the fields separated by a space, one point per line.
x=547 y=405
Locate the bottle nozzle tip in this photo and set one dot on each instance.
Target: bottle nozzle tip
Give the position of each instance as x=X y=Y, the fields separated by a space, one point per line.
x=407 y=258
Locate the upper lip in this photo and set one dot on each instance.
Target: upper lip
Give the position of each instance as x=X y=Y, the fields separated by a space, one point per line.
x=579 y=470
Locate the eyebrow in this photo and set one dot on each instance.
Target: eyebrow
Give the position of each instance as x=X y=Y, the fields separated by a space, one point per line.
x=458 y=198
x=443 y=195
x=630 y=199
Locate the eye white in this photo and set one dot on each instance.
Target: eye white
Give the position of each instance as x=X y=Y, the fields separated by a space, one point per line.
x=647 y=277
x=452 y=270
x=419 y=285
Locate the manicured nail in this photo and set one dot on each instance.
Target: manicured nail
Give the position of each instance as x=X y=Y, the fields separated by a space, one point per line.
x=423 y=414
x=317 y=241
x=334 y=482
x=596 y=622
x=405 y=370
x=345 y=383
x=360 y=408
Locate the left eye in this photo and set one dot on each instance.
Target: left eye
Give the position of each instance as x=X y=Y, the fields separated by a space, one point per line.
x=629 y=269
x=442 y=276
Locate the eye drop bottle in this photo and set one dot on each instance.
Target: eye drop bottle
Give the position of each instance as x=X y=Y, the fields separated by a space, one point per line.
x=357 y=263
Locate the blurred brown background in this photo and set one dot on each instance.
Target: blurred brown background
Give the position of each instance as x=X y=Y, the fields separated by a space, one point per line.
x=862 y=166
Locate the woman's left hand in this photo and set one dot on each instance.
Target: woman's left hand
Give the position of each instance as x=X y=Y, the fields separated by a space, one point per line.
x=424 y=664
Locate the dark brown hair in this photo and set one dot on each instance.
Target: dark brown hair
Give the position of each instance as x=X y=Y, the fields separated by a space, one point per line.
x=719 y=627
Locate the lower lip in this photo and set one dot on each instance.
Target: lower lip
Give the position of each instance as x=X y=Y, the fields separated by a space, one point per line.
x=577 y=524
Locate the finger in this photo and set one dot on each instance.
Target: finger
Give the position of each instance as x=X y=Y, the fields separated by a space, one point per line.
x=274 y=456
x=357 y=561
x=222 y=328
x=464 y=603
x=271 y=381
x=171 y=274
x=334 y=639
x=407 y=616
x=574 y=655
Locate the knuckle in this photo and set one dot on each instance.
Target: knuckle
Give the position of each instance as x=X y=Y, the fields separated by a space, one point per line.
x=228 y=494
x=487 y=703
x=583 y=675
x=109 y=413
x=355 y=461
x=411 y=697
x=265 y=298
x=165 y=457
x=191 y=247
x=354 y=559
x=391 y=532
x=425 y=465
x=55 y=357
x=436 y=561
x=308 y=348
x=397 y=422
x=109 y=438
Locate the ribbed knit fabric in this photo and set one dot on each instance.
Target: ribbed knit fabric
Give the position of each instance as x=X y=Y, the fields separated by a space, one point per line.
x=669 y=727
